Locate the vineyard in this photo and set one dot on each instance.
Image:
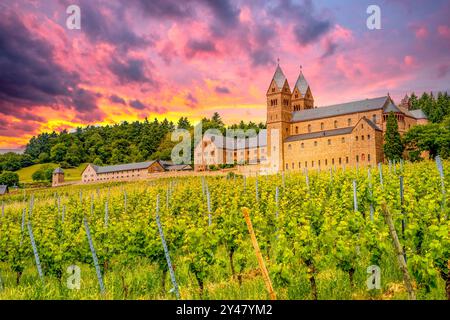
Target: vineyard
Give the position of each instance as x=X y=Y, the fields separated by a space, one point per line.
x=318 y=233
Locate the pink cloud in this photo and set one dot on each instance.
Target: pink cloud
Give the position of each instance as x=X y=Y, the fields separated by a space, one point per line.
x=409 y=60
x=444 y=31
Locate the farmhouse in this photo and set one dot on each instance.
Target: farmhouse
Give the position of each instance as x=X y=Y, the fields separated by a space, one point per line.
x=3 y=190
x=130 y=171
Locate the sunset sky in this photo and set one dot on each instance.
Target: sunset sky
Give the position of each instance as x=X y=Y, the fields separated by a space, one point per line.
x=171 y=58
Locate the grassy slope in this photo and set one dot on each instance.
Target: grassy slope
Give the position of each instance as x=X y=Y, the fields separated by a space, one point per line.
x=70 y=174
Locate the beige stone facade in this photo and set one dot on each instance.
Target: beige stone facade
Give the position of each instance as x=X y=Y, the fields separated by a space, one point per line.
x=347 y=134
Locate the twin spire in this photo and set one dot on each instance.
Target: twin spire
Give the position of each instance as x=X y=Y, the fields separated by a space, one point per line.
x=279 y=78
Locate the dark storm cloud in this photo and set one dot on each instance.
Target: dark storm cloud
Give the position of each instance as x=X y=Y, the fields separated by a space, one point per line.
x=193 y=47
x=116 y=99
x=223 y=90
x=261 y=57
x=309 y=26
x=106 y=22
x=165 y=9
x=136 y=104
x=130 y=70
x=29 y=76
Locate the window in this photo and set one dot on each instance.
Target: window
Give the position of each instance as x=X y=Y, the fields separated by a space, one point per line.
x=335 y=124
x=296 y=130
x=319 y=163
x=299 y=164
x=273 y=89
x=362 y=138
x=362 y=125
x=287 y=130
x=292 y=165
x=356 y=138
x=357 y=158
x=315 y=143
x=309 y=128
x=343 y=140
x=363 y=157
x=296 y=96
x=321 y=126
x=368 y=157
x=312 y=163
x=332 y=161
x=340 y=160
x=368 y=137
x=374 y=118
x=326 y=162
x=287 y=166
x=329 y=142
x=306 y=164
x=302 y=145
x=349 y=122
x=289 y=147
x=346 y=159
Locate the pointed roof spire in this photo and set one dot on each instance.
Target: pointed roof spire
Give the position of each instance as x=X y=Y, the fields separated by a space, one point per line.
x=301 y=84
x=279 y=76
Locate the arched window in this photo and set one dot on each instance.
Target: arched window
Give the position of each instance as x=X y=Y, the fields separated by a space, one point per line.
x=322 y=126
x=296 y=130
x=302 y=145
x=363 y=157
x=289 y=147
x=309 y=128
x=368 y=157
x=329 y=141
x=335 y=124
x=343 y=140
x=349 y=122
x=374 y=118
x=315 y=143
x=356 y=138
x=357 y=158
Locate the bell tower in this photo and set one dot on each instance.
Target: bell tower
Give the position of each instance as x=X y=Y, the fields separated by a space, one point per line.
x=279 y=113
x=302 y=97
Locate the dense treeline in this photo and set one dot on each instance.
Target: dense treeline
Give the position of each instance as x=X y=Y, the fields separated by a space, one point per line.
x=436 y=107
x=111 y=144
x=433 y=138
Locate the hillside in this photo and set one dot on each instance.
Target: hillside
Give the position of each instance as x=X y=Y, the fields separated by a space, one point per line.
x=72 y=174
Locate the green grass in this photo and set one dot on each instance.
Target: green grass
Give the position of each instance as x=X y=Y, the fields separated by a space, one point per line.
x=71 y=174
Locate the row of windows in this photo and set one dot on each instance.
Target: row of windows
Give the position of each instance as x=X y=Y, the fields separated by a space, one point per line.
x=340 y=160
x=329 y=141
x=335 y=124
x=212 y=153
x=112 y=178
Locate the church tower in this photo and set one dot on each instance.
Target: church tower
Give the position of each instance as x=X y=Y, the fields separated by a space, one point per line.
x=302 y=97
x=279 y=113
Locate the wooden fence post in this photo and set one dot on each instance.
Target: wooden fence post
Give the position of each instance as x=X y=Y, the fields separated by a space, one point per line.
x=261 y=263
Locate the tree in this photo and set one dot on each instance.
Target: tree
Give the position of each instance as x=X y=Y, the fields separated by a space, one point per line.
x=58 y=152
x=45 y=173
x=414 y=102
x=393 y=145
x=44 y=157
x=183 y=123
x=9 y=178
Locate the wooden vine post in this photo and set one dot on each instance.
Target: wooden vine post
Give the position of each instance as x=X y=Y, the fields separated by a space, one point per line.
x=399 y=252
x=261 y=263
